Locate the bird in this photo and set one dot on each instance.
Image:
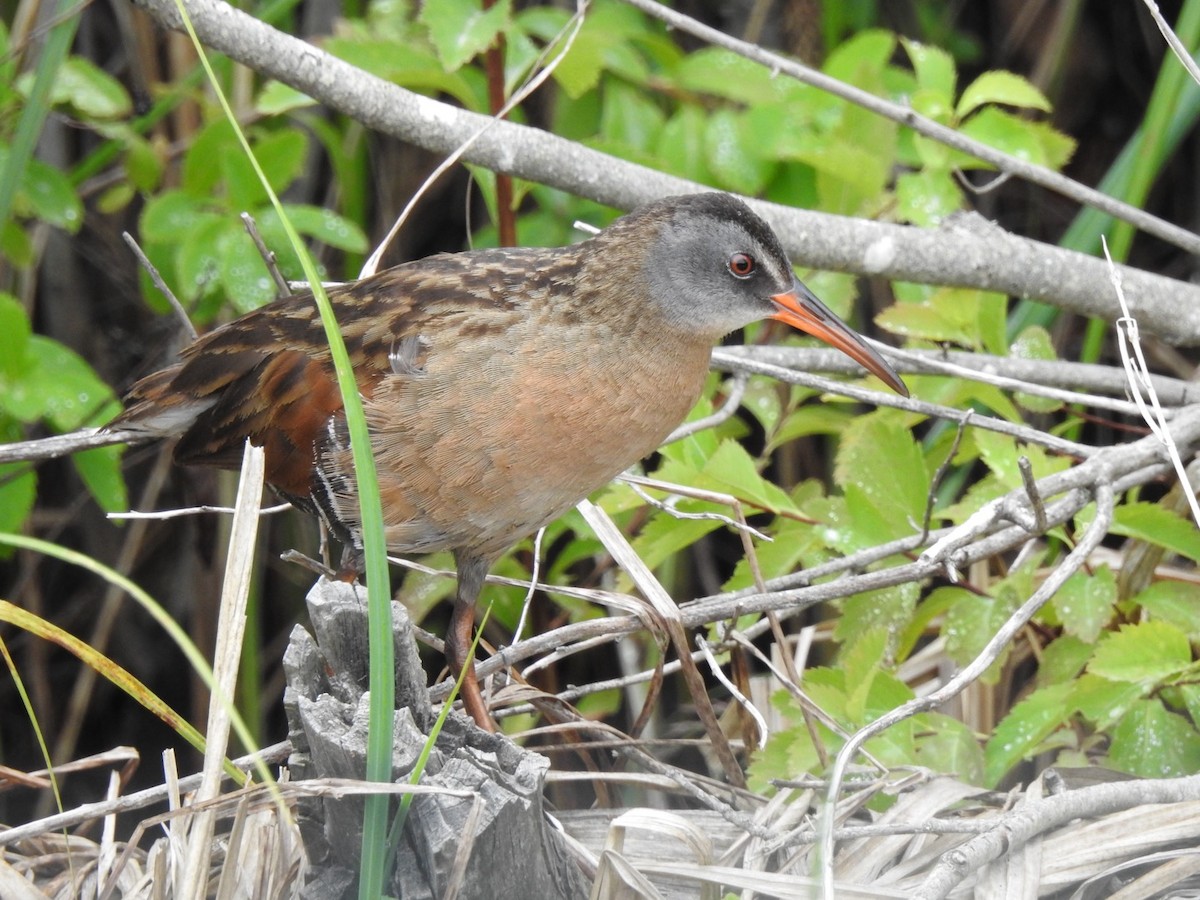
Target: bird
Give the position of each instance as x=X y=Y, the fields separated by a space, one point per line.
x=501 y=386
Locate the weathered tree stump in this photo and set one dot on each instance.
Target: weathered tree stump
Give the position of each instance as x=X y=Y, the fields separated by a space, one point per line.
x=513 y=851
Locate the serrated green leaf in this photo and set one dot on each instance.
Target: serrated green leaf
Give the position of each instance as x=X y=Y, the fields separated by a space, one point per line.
x=1001 y=454
x=948 y=746
x=461 y=29
x=1086 y=603
x=731 y=469
x=934 y=68
x=861 y=660
x=1158 y=526
x=1101 y=701
x=1027 y=725
x=879 y=462
x=927 y=197
x=812 y=418
x=1000 y=87
x=1034 y=142
x=889 y=609
x=1177 y=602
x=14 y=338
x=795 y=545
x=1063 y=659
x=1152 y=742
x=1144 y=653
x=972 y=622
x=861 y=59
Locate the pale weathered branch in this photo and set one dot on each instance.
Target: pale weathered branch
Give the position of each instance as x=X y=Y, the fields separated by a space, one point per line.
x=966 y=251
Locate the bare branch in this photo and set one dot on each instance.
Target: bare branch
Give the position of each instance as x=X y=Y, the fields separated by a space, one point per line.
x=966 y=251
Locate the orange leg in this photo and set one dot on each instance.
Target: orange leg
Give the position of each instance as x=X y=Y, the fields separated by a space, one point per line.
x=471 y=572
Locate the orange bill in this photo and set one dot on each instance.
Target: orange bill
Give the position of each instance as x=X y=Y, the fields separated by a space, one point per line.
x=801 y=309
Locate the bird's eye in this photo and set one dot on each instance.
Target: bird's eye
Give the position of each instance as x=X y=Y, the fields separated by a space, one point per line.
x=741 y=265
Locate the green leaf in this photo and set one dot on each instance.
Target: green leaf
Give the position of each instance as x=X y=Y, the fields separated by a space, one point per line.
x=461 y=29
x=731 y=469
x=1176 y=602
x=1034 y=142
x=18 y=490
x=277 y=98
x=1152 y=742
x=202 y=169
x=1001 y=454
x=1145 y=653
x=1000 y=87
x=1086 y=603
x=889 y=609
x=795 y=545
x=972 y=622
x=172 y=216
x=100 y=470
x=731 y=157
x=579 y=71
x=327 y=226
x=15 y=244
x=934 y=68
x=1022 y=731
x=58 y=386
x=244 y=276
x=927 y=197
x=91 y=91
x=861 y=662
x=1155 y=525
x=664 y=535
x=1063 y=659
x=883 y=472
x=198 y=255
x=681 y=144
x=1101 y=701
x=281 y=155
x=47 y=194
x=630 y=118
x=948 y=746
x=723 y=73
x=1035 y=342
x=14 y=338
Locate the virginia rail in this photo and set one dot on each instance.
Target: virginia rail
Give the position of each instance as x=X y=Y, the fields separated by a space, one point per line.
x=500 y=386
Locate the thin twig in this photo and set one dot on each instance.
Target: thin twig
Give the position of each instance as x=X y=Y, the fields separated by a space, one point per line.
x=282 y=288
x=181 y=313
x=1035 y=498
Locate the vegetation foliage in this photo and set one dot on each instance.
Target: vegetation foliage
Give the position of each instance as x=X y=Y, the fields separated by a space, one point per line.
x=1106 y=672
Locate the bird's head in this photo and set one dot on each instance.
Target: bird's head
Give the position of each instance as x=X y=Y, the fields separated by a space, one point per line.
x=714 y=266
